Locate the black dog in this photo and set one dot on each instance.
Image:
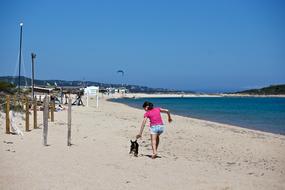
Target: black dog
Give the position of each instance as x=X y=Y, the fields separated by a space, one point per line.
x=134 y=148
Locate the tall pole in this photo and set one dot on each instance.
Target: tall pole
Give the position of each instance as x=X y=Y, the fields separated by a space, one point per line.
x=33 y=74
x=20 y=57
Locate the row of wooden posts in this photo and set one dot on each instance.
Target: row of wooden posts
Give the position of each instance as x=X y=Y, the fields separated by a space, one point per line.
x=46 y=115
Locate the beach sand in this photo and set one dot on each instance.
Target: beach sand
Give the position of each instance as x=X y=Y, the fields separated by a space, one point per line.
x=194 y=154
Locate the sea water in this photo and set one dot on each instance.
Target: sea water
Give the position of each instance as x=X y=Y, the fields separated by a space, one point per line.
x=264 y=114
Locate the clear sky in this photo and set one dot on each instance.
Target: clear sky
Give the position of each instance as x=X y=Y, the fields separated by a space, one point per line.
x=202 y=45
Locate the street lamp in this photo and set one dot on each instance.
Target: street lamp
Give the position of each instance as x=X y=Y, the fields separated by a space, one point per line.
x=20 y=57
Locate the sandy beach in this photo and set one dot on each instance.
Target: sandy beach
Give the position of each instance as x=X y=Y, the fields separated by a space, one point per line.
x=194 y=154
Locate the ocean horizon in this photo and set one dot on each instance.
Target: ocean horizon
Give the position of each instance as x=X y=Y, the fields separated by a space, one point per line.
x=258 y=113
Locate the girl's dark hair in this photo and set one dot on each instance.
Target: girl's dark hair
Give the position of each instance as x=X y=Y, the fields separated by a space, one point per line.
x=149 y=104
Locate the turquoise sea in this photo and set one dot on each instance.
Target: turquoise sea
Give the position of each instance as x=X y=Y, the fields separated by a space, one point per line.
x=264 y=114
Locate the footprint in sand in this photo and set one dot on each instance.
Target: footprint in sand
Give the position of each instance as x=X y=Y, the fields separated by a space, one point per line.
x=10 y=150
x=7 y=142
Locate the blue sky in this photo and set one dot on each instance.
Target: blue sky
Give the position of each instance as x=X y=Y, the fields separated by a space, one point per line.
x=202 y=45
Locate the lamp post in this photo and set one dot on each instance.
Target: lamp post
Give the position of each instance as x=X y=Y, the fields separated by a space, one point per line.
x=33 y=73
x=20 y=57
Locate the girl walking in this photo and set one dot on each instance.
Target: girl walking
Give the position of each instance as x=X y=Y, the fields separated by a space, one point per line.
x=156 y=125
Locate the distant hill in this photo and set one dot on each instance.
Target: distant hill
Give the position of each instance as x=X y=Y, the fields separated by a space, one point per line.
x=62 y=83
x=270 y=90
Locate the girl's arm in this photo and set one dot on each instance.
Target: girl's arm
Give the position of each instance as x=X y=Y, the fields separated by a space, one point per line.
x=168 y=114
x=142 y=127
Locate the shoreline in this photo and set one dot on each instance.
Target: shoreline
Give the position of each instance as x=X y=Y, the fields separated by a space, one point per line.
x=212 y=122
x=173 y=95
x=140 y=95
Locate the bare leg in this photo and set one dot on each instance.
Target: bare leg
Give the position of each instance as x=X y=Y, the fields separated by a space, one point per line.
x=157 y=142
x=154 y=145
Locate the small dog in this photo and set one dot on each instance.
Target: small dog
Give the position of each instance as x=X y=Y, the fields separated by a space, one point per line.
x=134 y=148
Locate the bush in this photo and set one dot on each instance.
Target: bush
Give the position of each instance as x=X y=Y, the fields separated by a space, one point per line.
x=7 y=87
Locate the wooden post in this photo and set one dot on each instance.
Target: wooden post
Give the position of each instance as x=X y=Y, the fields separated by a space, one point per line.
x=61 y=96
x=69 y=123
x=35 y=113
x=14 y=101
x=65 y=98
x=33 y=74
x=48 y=110
x=7 y=114
x=22 y=100
x=27 y=114
x=52 y=110
x=45 y=121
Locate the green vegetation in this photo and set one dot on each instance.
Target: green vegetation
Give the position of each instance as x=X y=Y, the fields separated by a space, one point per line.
x=271 y=90
x=7 y=88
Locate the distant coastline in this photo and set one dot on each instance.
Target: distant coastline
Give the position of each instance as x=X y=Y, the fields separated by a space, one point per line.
x=174 y=95
x=143 y=91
